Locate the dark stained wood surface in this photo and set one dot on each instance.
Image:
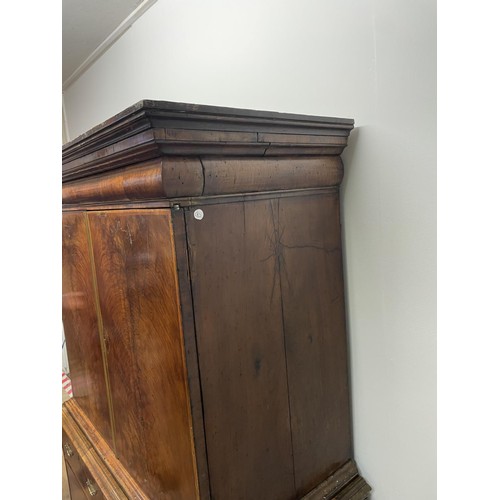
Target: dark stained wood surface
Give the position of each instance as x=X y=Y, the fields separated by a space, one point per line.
x=198 y=200
x=268 y=290
x=358 y=489
x=296 y=139
x=136 y=276
x=191 y=350
x=151 y=129
x=178 y=178
x=230 y=175
x=141 y=114
x=239 y=328
x=81 y=325
x=345 y=483
x=310 y=259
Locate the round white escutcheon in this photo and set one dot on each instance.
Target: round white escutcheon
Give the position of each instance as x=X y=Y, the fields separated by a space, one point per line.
x=198 y=214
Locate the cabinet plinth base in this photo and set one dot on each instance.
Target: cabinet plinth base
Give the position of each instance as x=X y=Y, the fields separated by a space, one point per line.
x=344 y=484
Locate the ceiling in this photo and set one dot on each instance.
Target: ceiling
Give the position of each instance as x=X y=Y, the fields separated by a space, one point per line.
x=89 y=27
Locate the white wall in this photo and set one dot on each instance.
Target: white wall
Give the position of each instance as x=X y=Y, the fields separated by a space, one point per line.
x=371 y=60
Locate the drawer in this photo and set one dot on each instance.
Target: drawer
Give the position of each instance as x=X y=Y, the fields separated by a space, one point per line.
x=75 y=488
x=73 y=456
x=94 y=468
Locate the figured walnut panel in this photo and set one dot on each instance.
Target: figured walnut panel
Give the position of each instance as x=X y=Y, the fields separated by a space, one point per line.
x=136 y=276
x=81 y=325
x=171 y=178
x=130 y=183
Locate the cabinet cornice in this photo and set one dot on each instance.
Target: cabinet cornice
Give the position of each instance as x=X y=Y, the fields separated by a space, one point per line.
x=152 y=129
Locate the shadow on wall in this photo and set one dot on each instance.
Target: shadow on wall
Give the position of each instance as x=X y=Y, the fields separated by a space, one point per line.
x=350 y=161
x=348 y=156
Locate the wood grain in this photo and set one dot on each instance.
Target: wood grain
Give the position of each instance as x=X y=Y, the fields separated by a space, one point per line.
x=132 y=183
x=92 y=476
x=358 y=489
x=101 y=472
x=178 y=178
x=78 y=427
x=81 y=327
x=162 y=178
x=310 y=257
x=241 y=352
x=232 y=175
x=197 y=200
x=121 y=152
x=345 y=483
x=191 y=350
x=152 y=129
x=146 y=113
x=205 y=136
x=136 y=276
x=302 y=139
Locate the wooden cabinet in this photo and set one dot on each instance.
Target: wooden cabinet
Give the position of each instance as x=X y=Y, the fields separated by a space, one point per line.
x=203 y=305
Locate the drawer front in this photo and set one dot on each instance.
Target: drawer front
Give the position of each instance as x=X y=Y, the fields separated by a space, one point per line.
x=80 y=470
x=75 y=488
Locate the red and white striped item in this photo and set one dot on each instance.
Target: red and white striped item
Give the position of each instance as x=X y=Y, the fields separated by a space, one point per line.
x=66 y=383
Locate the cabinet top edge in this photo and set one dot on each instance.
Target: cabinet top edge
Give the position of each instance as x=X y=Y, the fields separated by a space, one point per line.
x=151 y=129
x=148 y=106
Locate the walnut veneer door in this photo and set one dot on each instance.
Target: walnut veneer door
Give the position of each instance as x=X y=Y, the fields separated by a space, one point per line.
x=269 y=313
x=137 y=283
x=81 y=325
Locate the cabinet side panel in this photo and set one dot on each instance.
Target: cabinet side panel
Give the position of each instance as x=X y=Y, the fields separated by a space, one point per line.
x=314 y=321
x=191 y=351
x=81 y=324
x=135 y=268
x=236 y=291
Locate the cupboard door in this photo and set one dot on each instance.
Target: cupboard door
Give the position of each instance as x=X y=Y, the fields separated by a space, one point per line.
x=315 y=336
x=137 y=283
x=238 y=316
x=81 y=326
